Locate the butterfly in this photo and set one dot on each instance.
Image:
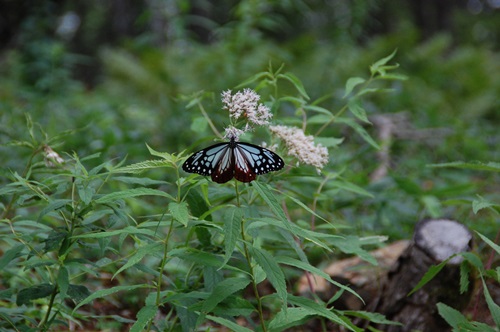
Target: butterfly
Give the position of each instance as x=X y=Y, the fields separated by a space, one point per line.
x=223 y=161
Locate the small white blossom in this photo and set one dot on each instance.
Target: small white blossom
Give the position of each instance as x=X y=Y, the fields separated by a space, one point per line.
x=52 y=158
x=232 y=132
x=301 y=146
x=246 y=104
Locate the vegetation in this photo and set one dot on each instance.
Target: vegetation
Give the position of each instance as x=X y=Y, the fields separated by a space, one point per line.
x=101 y=229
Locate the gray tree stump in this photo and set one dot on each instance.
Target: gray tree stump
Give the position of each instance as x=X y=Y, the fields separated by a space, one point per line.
x=434 y=241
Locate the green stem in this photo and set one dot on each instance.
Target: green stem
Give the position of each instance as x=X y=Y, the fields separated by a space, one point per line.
x=163 y=262
x=14 y=197
x=250 y=267
x=254 y=283
x=210 y=123
x=47 y=314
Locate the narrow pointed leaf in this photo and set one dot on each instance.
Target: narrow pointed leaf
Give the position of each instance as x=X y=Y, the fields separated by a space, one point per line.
x=78 y=293
x=492 y=306
x=296 y=82
x=319 y=309
x=179 y=211
x=229 y=324
x=144 y=316
x=355 y=107
x=272 y=201
x=232 y=231
x=63 y=281
x=148 y=249
x=9 y=255
x=308 y=267
x=492 y=244
x=132 y=193
x=106 y=292
x=273 y=272
x=224 y=289
x=34 y=292
x=429 y=275
x=452 y=316
x=351 y=84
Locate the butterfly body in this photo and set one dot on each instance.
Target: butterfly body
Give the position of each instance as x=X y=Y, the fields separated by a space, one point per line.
x=223 y=161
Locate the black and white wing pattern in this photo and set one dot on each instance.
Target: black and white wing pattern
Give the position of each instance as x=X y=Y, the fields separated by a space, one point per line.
x=223 y=161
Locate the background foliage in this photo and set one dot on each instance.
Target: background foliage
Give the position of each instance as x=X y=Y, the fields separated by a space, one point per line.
x=97 y=82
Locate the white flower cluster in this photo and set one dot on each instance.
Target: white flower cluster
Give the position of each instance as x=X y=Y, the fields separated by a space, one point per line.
x=233 y=132
x=301 y=146
x=246 y=104
x=52 y=158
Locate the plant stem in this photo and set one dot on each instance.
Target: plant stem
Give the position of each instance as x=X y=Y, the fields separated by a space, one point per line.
x=47 y=314
x=250 y=267
x=254 y=283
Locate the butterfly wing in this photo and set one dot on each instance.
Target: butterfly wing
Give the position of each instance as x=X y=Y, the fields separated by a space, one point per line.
x=222 y=161
x=252 y=160
x=224 y=168
x=204 y=161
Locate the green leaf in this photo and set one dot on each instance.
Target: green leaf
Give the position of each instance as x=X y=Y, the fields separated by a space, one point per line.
x=429 y=275
x=354 y=105
x=197 y=256
x=199 y=124
x=432 y=205
x=452 y=316
x=86 y=192
x=352 y=245
x=229 y=324
x=481 y=203
x=223 y=290
x=56 y=205
x=34 y=292
x=474 y=165
x=258 y=76
x=320 y=119
x=271 y=200
x=305 y=207
x=180 y=212
x=474 y=260
x=464 y=276
x=232 y=231
x=379 y=65
x=273 y=272
x=318 y=109
x=351 y=84
x=63 y=281
x=9 y=255
x=78 y=292
x=296 y=82
x=493 y=245
x=349 y=186
x=291 y=317
x=148 y=249
x=314 y=270
x=144 y=316
x=129 y=193
x=105 y=292
x=360 y=130
x=142 y=166
x=329 y=142
x=296 y=230
x=54 y=240
x=170 y=158
x=492 y=306
x=373 y=317
x=126 y=230
x=318 y=309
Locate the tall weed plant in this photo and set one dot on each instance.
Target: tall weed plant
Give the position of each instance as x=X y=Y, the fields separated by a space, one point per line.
x=186 y=253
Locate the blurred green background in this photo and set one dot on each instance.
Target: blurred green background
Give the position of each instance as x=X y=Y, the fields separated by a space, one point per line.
x=119 y=74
